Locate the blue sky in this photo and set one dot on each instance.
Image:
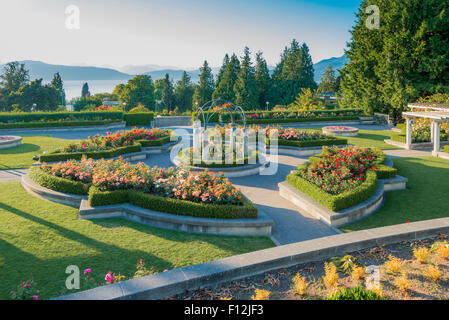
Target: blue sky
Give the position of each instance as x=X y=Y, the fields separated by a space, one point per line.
x=180 y=33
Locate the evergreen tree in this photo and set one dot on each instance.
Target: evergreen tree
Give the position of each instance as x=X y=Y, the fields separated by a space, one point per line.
x=222 y=70
x=263 y=80
x=328 y=83
x=205 y=88
x=293 y=73
x=406 y=58
x=245 y=88
x=167 y=97
x=59 y=85
x=225 y=88
x=139 y=89
x=13 y=77
x=184 y=93
x=85 y=90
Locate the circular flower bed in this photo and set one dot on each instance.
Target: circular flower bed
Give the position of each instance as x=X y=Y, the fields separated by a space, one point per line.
x=341 y=131
x=9 y=141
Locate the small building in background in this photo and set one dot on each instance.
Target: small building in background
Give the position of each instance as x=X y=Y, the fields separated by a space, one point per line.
x=111 y=103
x=70 y=107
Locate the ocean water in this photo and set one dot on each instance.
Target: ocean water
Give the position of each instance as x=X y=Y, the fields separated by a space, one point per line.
x=73 y=87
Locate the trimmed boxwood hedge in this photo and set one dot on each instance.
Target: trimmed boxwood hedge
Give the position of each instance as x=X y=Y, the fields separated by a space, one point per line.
x=105 y=154
x=143 y=200
x=338 y=202
x=155 y=143
x=313 y=143
x=56 y=183
x=291 y=120
x=54 y=124
x=173 y=206
x=14 y=118
x=139 y=118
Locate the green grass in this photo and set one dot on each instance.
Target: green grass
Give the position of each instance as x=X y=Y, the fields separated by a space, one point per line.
x=22 y=156
x=373 y=138
x=42 y=238
x=426 y=196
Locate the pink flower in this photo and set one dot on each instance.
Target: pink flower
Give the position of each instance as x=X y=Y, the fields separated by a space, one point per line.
x=165 y=270
x=28 y=285
x=109 y=277
x=35 y=297
x=88 y=270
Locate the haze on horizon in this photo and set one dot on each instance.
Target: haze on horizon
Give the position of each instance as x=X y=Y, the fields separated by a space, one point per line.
x=171 y=32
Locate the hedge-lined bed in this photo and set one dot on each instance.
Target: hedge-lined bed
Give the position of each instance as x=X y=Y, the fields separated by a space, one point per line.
x=264 y=117
x=70 y=119
x=186 y=157
x=341 y=178
x=111 y=145
x=179 y=192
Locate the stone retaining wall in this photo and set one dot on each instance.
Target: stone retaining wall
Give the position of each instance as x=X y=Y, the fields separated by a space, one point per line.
x=198 y=276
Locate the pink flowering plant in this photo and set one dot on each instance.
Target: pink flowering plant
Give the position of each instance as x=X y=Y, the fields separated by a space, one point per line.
x=110 y=175
x=26 y=290
x=115 y=140
x=337 y=170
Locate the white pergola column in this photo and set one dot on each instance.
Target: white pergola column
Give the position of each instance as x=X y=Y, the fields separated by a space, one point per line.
x=408 y=133
x=436 y=137
x=432 y=130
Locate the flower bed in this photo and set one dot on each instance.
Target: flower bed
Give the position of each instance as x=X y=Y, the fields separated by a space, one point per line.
x=110 y=145
x=421 y=131
x=166 y=190
x=261 y=117
x=341 y=131
x=341 y=178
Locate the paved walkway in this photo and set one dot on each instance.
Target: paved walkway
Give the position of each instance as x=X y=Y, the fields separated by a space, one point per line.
x=12 y=175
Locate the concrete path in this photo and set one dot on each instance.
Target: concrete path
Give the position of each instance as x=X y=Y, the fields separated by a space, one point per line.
x=12 y=175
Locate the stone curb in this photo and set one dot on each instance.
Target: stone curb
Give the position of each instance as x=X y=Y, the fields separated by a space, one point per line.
x=198 y=276
x=261 y=226
x=414 y=146
x=17 y=141
x=112 y=125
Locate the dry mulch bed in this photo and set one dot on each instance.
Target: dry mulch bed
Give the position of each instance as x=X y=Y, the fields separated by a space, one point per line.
x=279 y=282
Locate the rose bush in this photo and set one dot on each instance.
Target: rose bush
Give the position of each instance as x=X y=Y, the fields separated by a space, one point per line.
x=110 y=175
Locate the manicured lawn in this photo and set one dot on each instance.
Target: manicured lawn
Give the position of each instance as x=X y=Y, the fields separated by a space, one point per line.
x=372 y=138
x=22 y=156
x=41 y=238
x=426 y=196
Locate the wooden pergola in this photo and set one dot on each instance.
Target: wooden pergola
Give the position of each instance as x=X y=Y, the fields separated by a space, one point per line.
x=437 y=113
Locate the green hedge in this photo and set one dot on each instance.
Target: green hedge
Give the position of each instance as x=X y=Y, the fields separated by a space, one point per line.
x=446 y=149
x=139 y=119
x=154 y=143
x=59 y=116
x=56 y=183
x=338 y=202
x=173 y=206
x=105 y=154
x=54 y=124
x=313 y=143
x=292 y=120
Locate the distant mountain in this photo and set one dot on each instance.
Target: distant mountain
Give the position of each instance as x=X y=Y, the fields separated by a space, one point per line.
x=132 y=69
x=337 y=64
x=46 y=71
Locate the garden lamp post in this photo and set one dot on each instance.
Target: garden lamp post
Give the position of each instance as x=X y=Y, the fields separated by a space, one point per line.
x=267 y=104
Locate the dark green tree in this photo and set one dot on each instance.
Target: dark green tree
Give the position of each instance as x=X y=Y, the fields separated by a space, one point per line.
x=263 y=80
x=245 y=88
x=406 y=58
x=328 y=83
x=205 y=88
x=168 y=97
x=58 y=84
x=222 y=70
x=85 y=90
x=225 y=88
x=14 y=76
x=139 y=89
x=184 y=93
x=45 y=97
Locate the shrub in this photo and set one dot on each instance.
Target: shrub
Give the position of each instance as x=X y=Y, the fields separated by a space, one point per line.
x=56 y=183
x=299 y=284
x=260 y=294
x=402 y=283
x=358 y=273
x=59 y=116
x=139 y=118
x=433 y=273
x=26 y=291
x=356 y=293
x=330 y=277
x=393 y=265
x=443 y=250
x=421 y=254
